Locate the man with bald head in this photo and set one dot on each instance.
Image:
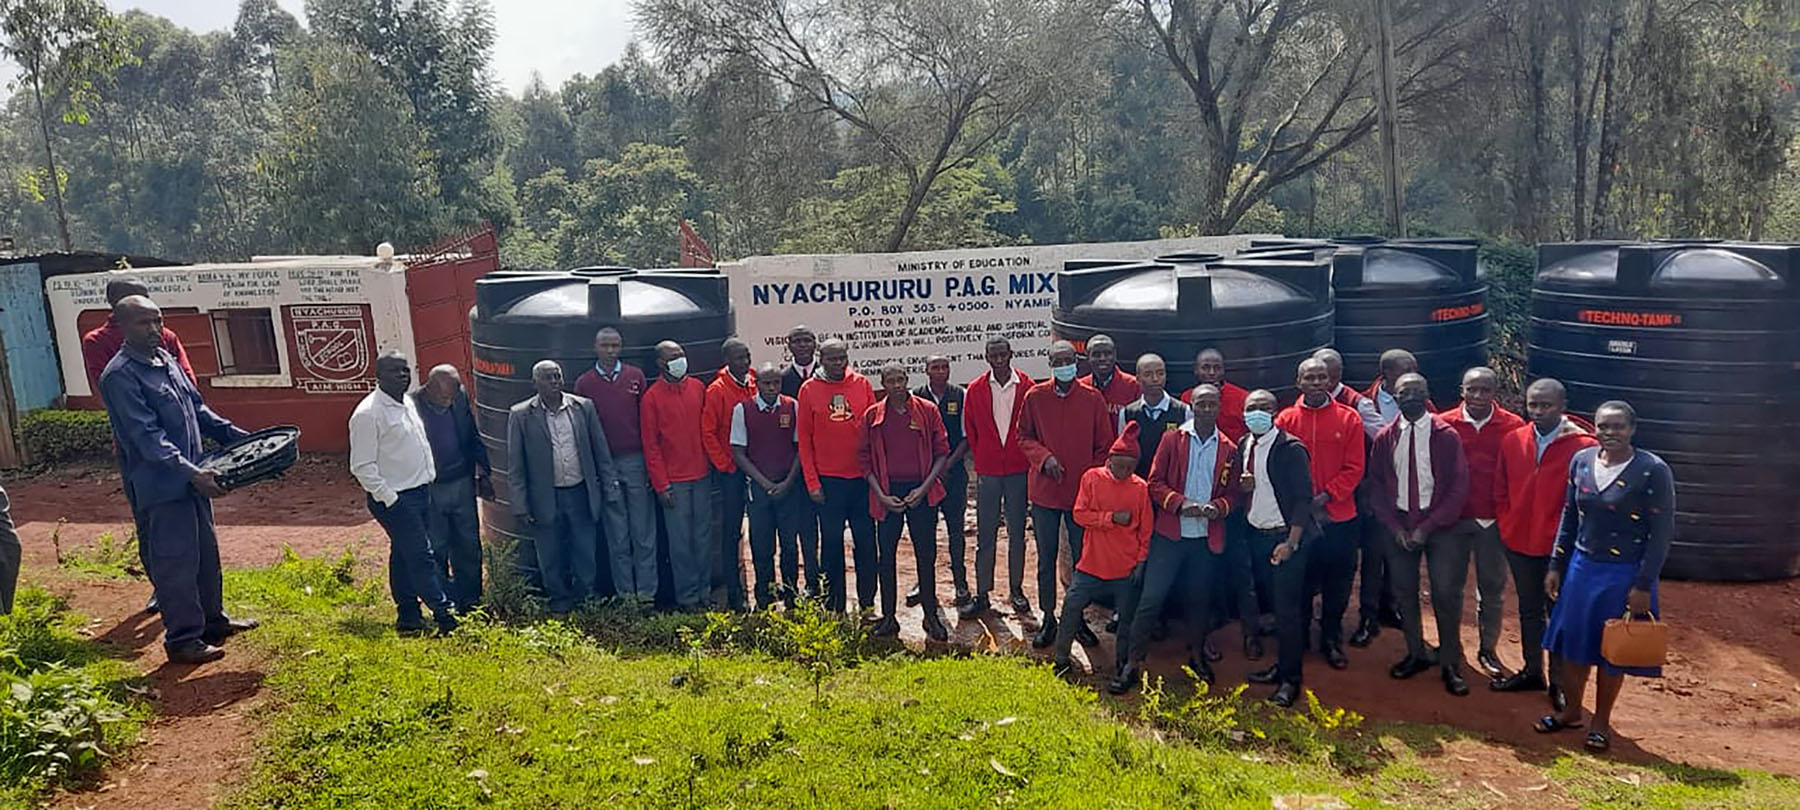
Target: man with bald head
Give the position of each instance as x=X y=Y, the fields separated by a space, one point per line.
x=679 y=472
x=1483 y=425
x=158 y=419
x=559 y=471
x=461 y=461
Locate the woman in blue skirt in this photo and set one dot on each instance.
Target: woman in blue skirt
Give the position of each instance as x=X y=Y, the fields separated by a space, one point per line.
x=1616 y=527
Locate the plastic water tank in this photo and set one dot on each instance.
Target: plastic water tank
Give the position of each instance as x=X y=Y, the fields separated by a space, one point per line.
x=1265 y=315
x=1703 y=340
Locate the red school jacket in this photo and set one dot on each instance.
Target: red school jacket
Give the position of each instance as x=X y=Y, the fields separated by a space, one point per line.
x=715 y=416
x=1482 y=449
x=1122 y=390
x=992 y=454
x=1529 y=492
x=1073 y=427
x=1231 y=409
x=930 y=442
x=1168 y=485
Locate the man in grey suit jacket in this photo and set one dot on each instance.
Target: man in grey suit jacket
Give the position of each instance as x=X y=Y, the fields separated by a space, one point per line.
x=558 y=469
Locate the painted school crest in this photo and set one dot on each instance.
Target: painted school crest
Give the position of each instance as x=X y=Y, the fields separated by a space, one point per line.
x=332 y=341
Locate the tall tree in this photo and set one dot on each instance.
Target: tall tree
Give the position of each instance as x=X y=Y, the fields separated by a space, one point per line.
x=62 y=47
x=928 y=85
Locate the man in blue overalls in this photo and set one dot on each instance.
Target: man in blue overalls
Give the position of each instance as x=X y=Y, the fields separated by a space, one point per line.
x=157 y=420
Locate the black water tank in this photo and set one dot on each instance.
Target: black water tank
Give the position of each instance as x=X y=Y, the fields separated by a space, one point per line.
x=1265 y=315
x=1426 y=296
x=521 y=318
x=1703 y=341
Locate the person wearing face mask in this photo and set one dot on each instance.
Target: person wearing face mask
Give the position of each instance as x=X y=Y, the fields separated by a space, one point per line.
x=735 y=384
x=1530 y=483
x=1119 y=388
x=765 y=445
x=1618 y=520
x=615 y=387
x=1274 y=479
x=803 y=344
x=1378 y=408
x=1333 y=437
x=1483 y=425
x=1209 y=369
x=1419 y=481
x=832 y=404
x=1065 y=431
x=679 y=472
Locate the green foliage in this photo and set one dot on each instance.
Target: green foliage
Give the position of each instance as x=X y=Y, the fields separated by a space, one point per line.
x=1510 y=269
x=52 y=435
x=960 y=210
x=622 y=211
x=108 y=556
x=1602 y=784
x=1230 y=720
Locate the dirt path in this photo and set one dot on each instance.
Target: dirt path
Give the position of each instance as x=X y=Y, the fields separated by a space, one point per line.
x=1730 y=698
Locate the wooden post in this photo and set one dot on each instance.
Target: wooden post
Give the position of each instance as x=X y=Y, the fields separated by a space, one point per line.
x=1387 y=113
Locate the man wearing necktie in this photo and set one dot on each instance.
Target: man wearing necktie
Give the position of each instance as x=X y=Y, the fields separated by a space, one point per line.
x=1419 y=480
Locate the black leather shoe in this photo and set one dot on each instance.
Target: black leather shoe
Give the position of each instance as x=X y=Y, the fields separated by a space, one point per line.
x=1408 y=667
x=1490 y=664
x=1285 y=695
x=1391 y=618
x=1065 y=670
x=974 y=609
x=1202 y=670
x=194 y=652
x=152 y=607
x=1334 y=655
x=1269 y=675
x=1112 y=625
x=1126 y=680
x=1559 y=700
x=1366 y=631
x=912 y=597
x=962 y=596
x=219 y=632
x=1454 y=683
x=934 y=627
x=1046 y=635
x=1211 y=652
x=1084 y=635
x=1020 y=604
x=887 y=626
x=1253 y=649
x=1519 y=682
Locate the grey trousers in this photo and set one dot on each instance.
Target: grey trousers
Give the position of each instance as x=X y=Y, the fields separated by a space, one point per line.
x=1446 y=555
x=630 y=524
x=997 y=495
x=454 y=527
x=1490 y=579
x=10 y=553
x=691 y=546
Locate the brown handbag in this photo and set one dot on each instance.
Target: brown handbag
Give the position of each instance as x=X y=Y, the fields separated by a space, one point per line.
x=1629 y=642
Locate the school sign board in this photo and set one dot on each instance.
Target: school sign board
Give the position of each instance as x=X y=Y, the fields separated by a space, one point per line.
x=907 y=307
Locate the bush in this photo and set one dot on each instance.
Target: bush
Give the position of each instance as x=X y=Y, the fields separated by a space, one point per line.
x=51 y=435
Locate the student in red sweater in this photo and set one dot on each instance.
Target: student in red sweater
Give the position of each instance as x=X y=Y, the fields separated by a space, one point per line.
x=764 y=445
x=1119 y=389
x=615 y=388
x=1482 y=424
x=1064 y=431
x=832 y=404
x=679 y=472
x=904 y=452
x=1333 y=436
x=1334 y=368
x=1191 y=492
x=992 y=405
x=1112 y=506
x=1209 y=369
x=735 y=384
x=1530 y=484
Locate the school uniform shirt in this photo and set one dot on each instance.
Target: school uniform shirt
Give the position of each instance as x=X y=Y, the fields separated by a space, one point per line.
x=831 y=427
x=1109 y=550
x=1071 y=425
x=769 y=432
x=1191 y=467
x=670 y=424
x=1430 y=450
x=1282 y=496
x=1231 y=409
x=1481 y=447
x=1165 y=415
x=1333 y=435
x=389 y=451
x=1529 y=486
x=950 y=408
x=722 y=396
x=902 y=448
x=1120 y=389
x=616 y=393
x=796 y=375
x=991 y=423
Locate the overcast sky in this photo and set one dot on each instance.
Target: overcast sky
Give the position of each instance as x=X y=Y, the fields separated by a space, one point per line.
x=556 y=38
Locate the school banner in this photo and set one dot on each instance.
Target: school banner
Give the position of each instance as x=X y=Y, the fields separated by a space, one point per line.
x=910 y=306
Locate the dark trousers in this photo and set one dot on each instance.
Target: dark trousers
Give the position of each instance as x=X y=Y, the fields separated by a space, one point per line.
x=846 y=503
x=412 y=571
x=1184 y=569
x=11 y=553
x=954 y=510
x=1237 y=583
x=1330 y=571
x=921 y=522
x=728 y=562
x=1374 y=596
x=1045 y=523
x=455 y=532
x=566 y=549
x=777 y=525
x=1534 y=606
x=1490 y=580
x=1446 y=556
x=181 y=553
x=1086 y=589
x=997 y=496
x=1287 y=590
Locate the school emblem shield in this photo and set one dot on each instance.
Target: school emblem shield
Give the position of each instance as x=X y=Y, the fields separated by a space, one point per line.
x=332 y=342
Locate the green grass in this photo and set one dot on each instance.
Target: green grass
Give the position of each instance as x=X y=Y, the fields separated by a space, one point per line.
x=1610 y=785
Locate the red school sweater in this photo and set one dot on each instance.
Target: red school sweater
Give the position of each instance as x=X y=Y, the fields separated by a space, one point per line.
x=831 y=428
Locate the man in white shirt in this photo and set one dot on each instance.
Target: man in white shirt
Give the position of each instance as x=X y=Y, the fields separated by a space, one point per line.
x=559 y=470
x=1275 y=477
x=390 y=455
x=991 y=409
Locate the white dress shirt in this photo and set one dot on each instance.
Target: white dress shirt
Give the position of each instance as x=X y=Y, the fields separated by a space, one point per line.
x=1265 y=511
x=740 y=430
x=389 y=451
x=1417 y=436
x=1005 y=393
x=565 y=460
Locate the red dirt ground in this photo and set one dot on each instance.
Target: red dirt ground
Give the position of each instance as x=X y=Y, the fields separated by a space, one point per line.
x=1730 y=698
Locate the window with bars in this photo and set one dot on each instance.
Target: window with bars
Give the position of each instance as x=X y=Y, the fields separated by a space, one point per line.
x=245 y=340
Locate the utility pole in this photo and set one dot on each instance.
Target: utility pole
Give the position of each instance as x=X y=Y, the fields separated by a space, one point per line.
x=1387 y=113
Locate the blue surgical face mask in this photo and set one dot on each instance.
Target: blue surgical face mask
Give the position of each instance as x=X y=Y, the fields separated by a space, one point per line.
x=678 y=367
x=1259 y=422
x=1063 y=374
